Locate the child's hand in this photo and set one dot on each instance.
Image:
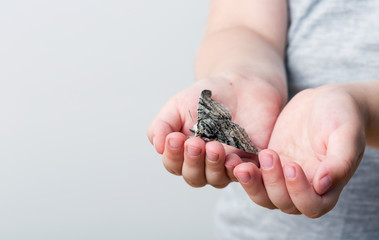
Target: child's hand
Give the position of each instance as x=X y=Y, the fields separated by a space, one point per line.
x=253 y=103
x=320 y=139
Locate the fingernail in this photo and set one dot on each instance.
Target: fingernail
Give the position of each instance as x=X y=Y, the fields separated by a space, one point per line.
x=325 y=183
x=212 y=157
x=193 y=151
x=154 y=141
x=289 y=172
x=266 y=161
x=243 y=177
x=174 y=144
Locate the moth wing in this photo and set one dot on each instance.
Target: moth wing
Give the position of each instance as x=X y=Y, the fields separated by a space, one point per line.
x=222 y=112
x=208 y=108
x=244 y=141
x=227 y=132
x=234 y=135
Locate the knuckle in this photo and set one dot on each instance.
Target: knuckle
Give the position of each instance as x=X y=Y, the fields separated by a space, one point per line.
x=271 y=207
x=176 y=170
x=195 y=184
x=220 y=185
x=213 y=164
x=272 y=182
x=290 y=210
x=177 y=173
x=315 y=213
x=217 y=179
x=194 y=162
x=263 y=202
x=233 y=179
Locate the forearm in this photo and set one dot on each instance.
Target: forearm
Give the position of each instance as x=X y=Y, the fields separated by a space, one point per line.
x=367 y=96
x=242 y=52
x=245 y=39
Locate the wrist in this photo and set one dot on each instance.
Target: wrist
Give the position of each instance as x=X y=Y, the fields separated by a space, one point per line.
x=358 y=93
x=241 y=80
x=366 y=97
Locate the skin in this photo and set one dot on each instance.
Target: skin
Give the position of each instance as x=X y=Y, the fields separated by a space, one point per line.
x=203 y=163
x=312 y=147
x=316 y=145
x=242 y=63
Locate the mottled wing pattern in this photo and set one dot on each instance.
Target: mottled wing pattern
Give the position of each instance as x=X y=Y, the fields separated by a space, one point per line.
x=234 y=135
x=208 y=108
x=215 y=122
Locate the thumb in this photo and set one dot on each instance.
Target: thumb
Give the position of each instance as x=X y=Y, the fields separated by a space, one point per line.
x=168 y=120
x=344 y=153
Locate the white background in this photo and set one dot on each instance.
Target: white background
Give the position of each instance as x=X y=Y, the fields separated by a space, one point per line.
x=80 y=81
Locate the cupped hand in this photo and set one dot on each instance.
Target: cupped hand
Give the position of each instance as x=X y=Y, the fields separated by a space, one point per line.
x=315 y=148
x=254 y=104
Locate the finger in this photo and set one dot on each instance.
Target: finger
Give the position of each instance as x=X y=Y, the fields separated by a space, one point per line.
x=167 y=120
x=215 y=171
x=193 y=169
x=231 y=161
x=250 y=178
x=173 y=154
x=243 y=155
x=274 y=181
x=306 y=200
x=235 y=157
x=344 y=152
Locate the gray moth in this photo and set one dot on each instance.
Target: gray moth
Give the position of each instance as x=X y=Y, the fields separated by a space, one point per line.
x=214 y=122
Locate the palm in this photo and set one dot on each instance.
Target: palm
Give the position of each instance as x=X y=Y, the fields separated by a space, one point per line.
x=253 y=103
x=252 y=107
x=317 y=125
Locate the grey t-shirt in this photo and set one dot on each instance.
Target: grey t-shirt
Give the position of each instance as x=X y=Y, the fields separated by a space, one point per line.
x=329 y=41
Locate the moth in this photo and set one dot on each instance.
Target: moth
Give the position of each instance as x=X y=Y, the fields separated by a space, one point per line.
x=214 y=122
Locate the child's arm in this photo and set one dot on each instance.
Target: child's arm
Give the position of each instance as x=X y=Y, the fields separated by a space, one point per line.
x=245 y=39
x=367 y=94
x=241 y=61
